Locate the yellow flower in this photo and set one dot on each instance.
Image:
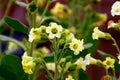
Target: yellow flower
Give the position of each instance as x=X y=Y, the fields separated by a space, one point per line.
x=27 y=63
x=109 y=63
x=61 y=11
x=69 y=78
x=80 y=64
x=54 y=30
x=76 y=46
x=97 y=33
x=115 y=8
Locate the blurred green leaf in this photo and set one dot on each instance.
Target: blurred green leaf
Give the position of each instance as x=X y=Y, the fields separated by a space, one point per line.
x=5 y=38
x=104 y=55
x=2 y=29
x=1 y=78
x=117 y=66
x=50 y=19
x=16 y=25
x=88 y=45
x=11 y=68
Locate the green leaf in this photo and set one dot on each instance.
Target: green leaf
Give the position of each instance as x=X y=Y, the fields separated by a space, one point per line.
x=16 y=25
x=104 y=55
x=117 y=66
x=50 y=19
x=88 y=45
x=11 y=68
x=5 y=38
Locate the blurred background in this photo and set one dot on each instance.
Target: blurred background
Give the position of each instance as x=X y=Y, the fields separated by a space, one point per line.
x=104 y=6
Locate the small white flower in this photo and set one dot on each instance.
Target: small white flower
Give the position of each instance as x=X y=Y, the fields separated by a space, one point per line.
x=97 y=33
x=76 y=46
x=51 y=66
x=69 y=78
x=118 y=58
x=80 y=64
x=115 y=8
x=89 y=60
x=54 y=30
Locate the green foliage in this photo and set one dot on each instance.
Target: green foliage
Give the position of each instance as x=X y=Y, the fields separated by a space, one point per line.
x=16 y=25
x=11 y=68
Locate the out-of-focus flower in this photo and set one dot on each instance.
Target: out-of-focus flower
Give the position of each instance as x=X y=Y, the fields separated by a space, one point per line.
x=118 y=58
x=80 y=64
x=44 y=51
x=111 y=24
x=69 y=78
x=115 y=8
x=41 y=2
x=28 y=63
x=103 y=17
x=54 y=30
x=38 y=18
x=76 y=46
x=51 y=66
x=89 y=60
x=12 y=45
x=109 y=63
x=61 y=11
x=97 y=33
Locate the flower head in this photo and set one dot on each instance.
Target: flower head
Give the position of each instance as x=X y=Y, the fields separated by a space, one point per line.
x=97 y=33
x=76 y=46
x=54 y=30
x=69 y=78
x=34 y=34
x=28 y=63
x=89 y=60
x=109 y=63
x=115 y=8
x=80 y=64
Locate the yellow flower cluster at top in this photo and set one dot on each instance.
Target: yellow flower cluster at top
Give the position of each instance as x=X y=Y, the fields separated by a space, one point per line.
x=56 y=31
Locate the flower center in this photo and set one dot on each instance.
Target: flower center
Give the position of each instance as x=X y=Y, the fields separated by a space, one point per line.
x=108 y=63
x=54 y=30
x=75 y=46
x=116 y=9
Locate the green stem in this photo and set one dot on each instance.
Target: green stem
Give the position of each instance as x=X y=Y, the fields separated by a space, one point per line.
x=106 y=71
x=0 y=48
x=114 y=74
x=115 y=44
x=45 y=67
x=55 y=58
x=44 y=12
x=6 y=12
x=62 y=54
